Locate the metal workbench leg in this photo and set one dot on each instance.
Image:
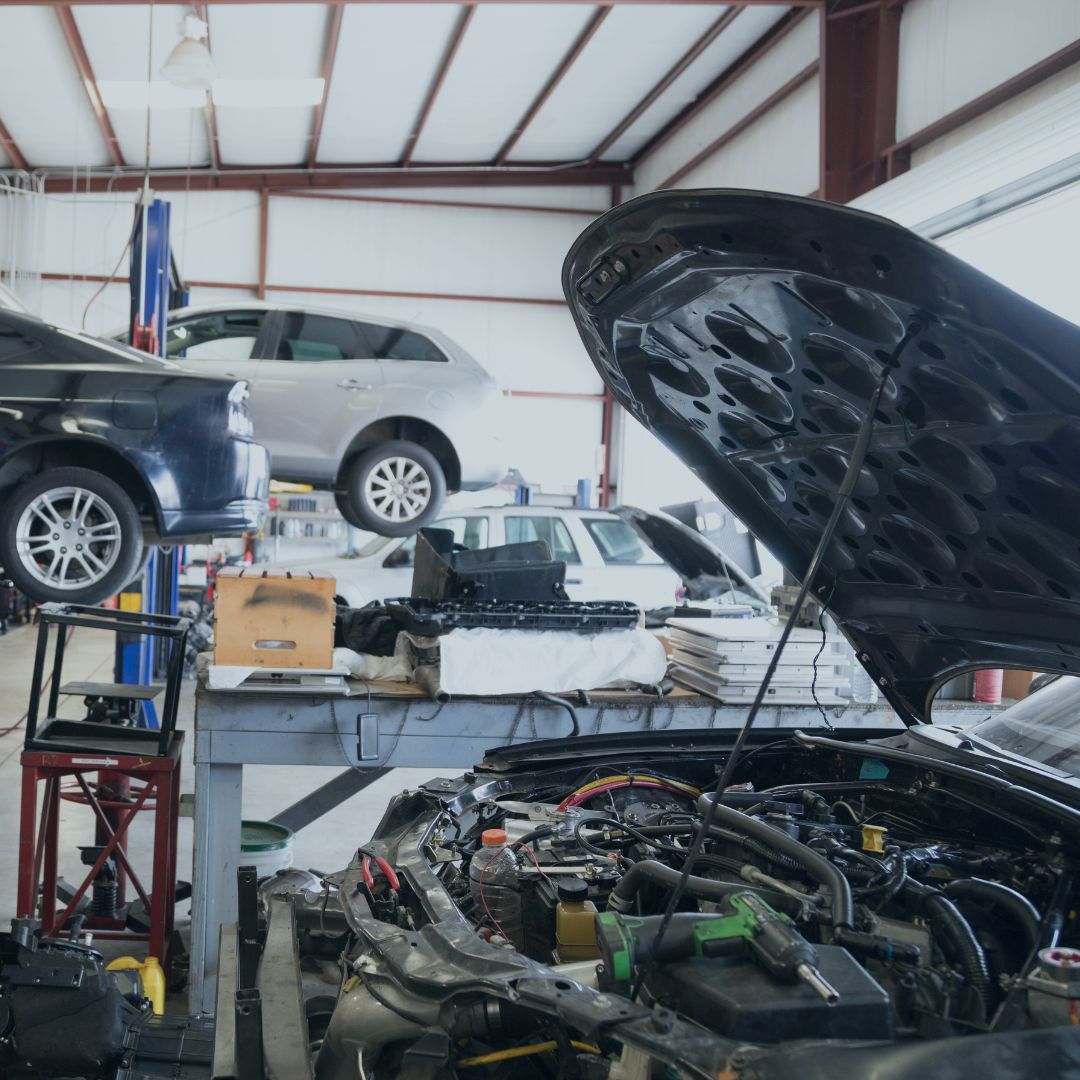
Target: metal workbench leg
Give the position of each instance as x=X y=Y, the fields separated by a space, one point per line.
x=216 y=856
x=324 y=799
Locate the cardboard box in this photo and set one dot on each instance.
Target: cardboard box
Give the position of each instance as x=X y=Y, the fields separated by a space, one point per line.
x=272 y=618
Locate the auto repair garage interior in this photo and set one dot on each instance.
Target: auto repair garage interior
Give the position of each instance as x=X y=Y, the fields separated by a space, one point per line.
x=539 y=539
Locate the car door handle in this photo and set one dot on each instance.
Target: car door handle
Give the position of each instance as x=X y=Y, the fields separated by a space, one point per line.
x=355 y=384
x=574 y=580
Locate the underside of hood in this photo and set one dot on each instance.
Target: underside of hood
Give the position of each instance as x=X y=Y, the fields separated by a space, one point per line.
x=748 y=330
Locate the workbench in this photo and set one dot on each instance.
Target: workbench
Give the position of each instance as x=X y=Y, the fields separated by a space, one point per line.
x=374 y=727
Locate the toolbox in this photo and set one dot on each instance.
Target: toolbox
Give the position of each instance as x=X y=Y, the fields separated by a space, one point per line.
x=274 y=618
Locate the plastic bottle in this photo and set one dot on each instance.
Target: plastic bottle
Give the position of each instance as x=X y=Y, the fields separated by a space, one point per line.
x=493 y=875
x=575 y=922
x=864 y=690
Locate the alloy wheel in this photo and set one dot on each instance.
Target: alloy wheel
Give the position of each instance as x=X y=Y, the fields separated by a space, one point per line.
x=68 y=538
x=398 y=489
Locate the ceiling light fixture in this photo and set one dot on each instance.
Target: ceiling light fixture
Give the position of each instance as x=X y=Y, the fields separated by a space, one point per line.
x=190 y=65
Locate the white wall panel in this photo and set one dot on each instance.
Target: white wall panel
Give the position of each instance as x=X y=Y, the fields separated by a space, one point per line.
x=1024 y=250
x=509 y=51
x=1036 y=130
x=417 y=248
x=602 y=87
x=375 y=98
x=951 y=51
x=553 y=443
x=778 y=153
x=776 y=67
x=42 y=101
x=117 y=40
x=736 y=38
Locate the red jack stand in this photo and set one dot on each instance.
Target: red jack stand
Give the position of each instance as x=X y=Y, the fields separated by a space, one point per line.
x=39 y=849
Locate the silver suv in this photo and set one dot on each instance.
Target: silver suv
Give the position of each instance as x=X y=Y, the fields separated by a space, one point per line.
x=390 y=416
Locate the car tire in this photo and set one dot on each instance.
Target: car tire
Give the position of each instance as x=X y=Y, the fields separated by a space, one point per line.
x=377 y=502
x=345 y=509
x=106 y=552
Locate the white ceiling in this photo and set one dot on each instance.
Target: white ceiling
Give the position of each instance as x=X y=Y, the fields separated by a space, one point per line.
x=387 y=60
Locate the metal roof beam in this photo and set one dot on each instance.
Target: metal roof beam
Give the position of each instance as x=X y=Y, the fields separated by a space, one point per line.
x=557 y=77
x=653 y=95
x=437 y=83
x=779 y=30
x=602 y=3
x=12 y=150
x=751 y=118
x=898 y=156
x=330 y=177
x=86 y=74
x=333 y=35
x=209 y=112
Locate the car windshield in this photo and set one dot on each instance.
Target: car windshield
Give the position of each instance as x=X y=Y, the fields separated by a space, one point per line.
x=1044 y=728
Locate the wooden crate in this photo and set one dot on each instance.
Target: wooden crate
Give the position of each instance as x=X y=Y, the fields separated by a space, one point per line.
x=273 y=618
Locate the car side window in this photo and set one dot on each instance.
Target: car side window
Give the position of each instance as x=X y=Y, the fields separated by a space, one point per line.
x=218 y=335
x=470 y=532
x=618 y=543
x=396 y=343
x=521 y=530
x=309 y=337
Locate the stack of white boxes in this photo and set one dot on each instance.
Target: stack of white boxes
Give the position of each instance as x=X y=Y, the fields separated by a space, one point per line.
x=727 y=659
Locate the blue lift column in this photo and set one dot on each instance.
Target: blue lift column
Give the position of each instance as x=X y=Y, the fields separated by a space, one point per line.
x=154 y=287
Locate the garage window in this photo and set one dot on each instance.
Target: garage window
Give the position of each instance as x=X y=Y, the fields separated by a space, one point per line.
x=471 y=532
x=219 y=335
x=319 y=337
x=394 y=343
x=522 y=530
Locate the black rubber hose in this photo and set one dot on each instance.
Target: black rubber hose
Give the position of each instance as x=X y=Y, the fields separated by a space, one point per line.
x=958 y=932
x=649 y=871
x=1023 y=911
x=815 y=865
x=551 y=699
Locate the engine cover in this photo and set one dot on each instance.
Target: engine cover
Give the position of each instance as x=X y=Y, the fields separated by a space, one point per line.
x=737 y=998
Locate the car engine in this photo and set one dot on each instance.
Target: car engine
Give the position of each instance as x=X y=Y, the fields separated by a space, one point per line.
x=854 y=907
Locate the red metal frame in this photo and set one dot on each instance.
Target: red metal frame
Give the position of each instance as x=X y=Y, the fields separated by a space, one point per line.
x=329 y=177
x=775 y=34
x=333 y=35
x=39 y=848
x=557 y=77
x=264 y=241
x=653 y=95
x=12 y=150
x=859 y=52
x=437 y=83
x=898 y=155
x=458 y=204
x=86 y=76
x=751 y=118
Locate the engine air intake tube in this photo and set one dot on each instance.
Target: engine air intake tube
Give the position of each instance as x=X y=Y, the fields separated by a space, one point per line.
x=816 y=866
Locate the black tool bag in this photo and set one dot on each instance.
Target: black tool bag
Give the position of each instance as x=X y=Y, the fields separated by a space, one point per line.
x=511 y=572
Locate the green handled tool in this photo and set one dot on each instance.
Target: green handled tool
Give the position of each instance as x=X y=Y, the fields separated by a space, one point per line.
x=752 y=926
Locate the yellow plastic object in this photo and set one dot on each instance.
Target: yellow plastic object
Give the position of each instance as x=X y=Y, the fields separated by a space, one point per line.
x=131 y=601
x=873 y=838
x=575 y=931
x=150 y=975
x=522 y=1051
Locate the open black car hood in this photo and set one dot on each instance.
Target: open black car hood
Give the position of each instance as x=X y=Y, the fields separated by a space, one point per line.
x=747 y=330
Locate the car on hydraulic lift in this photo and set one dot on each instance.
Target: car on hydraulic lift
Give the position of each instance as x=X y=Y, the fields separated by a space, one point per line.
x=671 y=900
x=389 y=415
x=105 y=450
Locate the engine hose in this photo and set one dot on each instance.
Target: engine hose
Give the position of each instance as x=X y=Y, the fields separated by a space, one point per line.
x=1023 y=911
x=649 y=871
x=957 y=930
x=816 y=866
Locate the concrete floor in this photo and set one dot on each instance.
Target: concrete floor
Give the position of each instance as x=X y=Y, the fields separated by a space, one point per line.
x=326 y=845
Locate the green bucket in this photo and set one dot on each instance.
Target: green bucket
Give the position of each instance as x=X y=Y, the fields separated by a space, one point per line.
x=266 y=846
